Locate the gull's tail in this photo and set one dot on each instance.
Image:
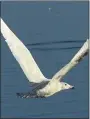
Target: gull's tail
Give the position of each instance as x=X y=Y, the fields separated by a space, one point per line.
x=33 y=92
x=29 y=95
x=26 y=95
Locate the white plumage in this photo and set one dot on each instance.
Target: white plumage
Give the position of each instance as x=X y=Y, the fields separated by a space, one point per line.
x=44 y=87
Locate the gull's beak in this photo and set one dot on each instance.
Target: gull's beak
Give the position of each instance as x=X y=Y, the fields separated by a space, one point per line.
x=72 y=87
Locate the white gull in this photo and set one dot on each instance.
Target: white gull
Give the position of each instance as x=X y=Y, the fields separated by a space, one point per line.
x=42 y=86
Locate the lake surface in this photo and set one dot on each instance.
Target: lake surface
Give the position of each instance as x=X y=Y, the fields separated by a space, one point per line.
x=53 y=32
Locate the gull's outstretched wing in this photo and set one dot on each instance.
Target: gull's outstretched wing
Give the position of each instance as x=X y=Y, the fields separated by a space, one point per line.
x=75 y=60
x=22 y=55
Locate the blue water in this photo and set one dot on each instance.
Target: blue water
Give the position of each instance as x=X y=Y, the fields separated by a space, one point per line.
x=46 y=28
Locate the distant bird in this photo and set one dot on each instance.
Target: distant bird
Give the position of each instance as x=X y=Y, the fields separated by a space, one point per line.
x=42 y=87
x=50 y=8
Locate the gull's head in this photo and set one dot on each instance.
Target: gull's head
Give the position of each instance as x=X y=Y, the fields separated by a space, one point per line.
x=66 y=86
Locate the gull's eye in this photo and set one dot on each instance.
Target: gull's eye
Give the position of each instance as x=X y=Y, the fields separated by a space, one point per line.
x=65 y=84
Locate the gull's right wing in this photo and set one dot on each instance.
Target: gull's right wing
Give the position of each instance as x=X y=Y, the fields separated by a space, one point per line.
x=22 y=55
x=75 y=60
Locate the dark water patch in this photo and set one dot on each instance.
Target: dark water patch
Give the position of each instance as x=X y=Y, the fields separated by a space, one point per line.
x=47 y=49
x=55 y=42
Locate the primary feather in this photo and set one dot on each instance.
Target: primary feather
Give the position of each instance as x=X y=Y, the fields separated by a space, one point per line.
x=22 y=55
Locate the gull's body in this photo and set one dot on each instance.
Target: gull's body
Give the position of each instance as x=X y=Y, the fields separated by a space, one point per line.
x=43 y=87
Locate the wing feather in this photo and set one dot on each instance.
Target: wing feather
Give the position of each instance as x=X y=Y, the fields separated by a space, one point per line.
x=22 y=55
x=75 y=60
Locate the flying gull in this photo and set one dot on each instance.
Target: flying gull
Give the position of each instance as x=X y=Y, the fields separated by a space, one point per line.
x=41 y=86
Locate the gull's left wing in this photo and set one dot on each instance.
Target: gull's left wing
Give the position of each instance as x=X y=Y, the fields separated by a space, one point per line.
x=22 y=55
x=75 y=60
